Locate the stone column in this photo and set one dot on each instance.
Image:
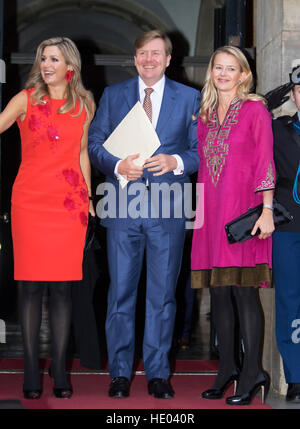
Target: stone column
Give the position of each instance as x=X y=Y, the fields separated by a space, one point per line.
x=277 y=44
x=205 y=38
x=272 y=361
x=277 y=41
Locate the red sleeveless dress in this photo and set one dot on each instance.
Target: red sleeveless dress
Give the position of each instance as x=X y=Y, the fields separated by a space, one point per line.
x=49 y=210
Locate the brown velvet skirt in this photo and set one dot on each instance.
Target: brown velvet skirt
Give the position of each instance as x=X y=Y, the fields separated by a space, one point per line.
x=258 y=276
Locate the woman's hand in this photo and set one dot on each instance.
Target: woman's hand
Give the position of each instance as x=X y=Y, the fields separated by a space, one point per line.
x=265 y=224
x=91 y=209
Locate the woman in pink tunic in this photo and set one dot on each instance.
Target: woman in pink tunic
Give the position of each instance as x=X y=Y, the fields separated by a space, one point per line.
x=237 y=169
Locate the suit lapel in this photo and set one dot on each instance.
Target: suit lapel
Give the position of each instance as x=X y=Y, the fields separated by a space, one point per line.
x=167 y=106
x=131 y=92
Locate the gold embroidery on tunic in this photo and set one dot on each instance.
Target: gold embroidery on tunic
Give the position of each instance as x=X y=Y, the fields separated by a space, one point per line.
x=268 y=183
x=216 y=150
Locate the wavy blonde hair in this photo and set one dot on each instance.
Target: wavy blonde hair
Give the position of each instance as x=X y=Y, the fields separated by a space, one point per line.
x=210 y=94
x=75 y=88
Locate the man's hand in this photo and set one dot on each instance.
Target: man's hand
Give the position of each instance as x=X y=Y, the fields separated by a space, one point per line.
x=161 y=163
x=129 y=169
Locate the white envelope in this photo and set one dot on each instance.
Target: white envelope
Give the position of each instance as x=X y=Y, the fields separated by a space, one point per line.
x=135 y=134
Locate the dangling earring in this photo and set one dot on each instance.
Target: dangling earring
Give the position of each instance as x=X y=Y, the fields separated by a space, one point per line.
x=69 y=75
x=239 y=81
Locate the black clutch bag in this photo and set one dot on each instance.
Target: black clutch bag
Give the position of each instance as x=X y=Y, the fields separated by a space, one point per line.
x=91 y=241
x=239 y=229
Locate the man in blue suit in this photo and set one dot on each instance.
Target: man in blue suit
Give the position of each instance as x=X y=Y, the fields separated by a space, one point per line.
x=158 y=232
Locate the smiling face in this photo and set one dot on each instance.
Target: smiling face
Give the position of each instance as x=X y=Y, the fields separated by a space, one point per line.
x=151 y=61
x=226 y=73
x=53 y=66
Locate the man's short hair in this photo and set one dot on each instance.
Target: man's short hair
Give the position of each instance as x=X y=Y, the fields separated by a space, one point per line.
x=151 y=35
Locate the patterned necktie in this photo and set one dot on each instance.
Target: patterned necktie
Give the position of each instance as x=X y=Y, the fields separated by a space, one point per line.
x=147 y=103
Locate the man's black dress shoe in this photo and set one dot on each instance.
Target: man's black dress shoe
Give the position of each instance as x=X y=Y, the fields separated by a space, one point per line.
x=160 y=388
x=119 y=387
x=293 y=392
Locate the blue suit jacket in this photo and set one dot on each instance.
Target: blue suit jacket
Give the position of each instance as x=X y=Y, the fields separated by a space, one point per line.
x=176 y=130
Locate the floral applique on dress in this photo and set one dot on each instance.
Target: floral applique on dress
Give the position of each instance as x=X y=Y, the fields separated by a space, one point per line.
x=45 y=108
x=77 y=198
x=34 y=122
x=44 y=131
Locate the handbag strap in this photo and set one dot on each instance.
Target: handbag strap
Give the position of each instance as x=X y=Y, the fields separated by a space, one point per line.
x=296 y=126
x=295 y=192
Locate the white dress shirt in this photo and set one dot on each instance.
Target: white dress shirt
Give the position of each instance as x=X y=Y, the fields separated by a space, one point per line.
x=156 y=100
x=156 y=97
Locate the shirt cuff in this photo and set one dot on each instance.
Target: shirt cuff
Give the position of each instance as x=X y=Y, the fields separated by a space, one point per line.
x=180 y=166
x=118 y=176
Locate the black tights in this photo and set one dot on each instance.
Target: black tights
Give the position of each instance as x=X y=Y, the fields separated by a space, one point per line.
x=250 y=319
x=60 y=320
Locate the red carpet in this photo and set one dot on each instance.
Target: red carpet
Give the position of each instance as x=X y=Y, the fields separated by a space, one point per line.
x=90 y=391
x=74 y=365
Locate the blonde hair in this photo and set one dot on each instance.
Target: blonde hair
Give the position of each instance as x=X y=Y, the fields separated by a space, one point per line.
x=75 y=88
x=210 y=94
x=148 y=36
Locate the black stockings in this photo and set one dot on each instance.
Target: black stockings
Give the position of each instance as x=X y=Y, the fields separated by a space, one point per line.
x=60 y=320
x=30 y=317
x=251 y=330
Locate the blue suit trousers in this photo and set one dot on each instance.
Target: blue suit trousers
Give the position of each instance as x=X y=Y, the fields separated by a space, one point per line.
x=286 y=269
x=163 y=252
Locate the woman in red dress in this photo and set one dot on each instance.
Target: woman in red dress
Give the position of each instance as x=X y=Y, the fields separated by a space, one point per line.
x=51 y=200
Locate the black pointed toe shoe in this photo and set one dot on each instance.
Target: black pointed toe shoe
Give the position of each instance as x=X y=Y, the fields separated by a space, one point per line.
x=60 y=392
x=32 y=394
x=63 y=393
x=262 y=383
x=219 y=393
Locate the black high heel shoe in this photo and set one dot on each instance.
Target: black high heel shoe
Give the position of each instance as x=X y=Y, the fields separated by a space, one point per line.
x=219 y=393
x=262 y=383
x=32 y=394
x=60 y=392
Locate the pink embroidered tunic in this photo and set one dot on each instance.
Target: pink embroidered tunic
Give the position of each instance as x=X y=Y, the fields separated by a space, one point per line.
x=236 y=164
x=49 y=200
